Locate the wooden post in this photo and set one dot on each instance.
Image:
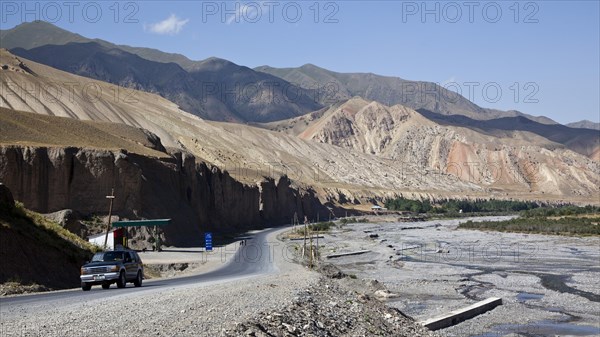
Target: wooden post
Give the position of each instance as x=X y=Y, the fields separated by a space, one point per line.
x=111 y=197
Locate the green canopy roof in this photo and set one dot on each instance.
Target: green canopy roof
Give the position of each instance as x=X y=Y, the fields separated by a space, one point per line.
x=133 y=223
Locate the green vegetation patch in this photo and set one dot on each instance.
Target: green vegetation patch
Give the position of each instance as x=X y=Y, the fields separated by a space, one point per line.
x=566 y=210
x=346 y=221
x=321 y=226
x=455 y=206
x=541 y=225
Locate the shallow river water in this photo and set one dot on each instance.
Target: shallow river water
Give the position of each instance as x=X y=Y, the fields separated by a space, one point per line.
x=548 y=284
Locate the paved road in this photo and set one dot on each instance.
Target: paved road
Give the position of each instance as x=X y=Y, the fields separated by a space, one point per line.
x=255 y=258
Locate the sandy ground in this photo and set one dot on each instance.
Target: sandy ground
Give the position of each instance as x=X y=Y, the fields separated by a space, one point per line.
x=547 y=283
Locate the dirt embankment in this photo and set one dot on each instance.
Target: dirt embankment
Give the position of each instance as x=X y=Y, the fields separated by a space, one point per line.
x=36 y=254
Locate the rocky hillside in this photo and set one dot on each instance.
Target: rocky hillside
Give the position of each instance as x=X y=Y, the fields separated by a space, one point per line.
x=198 y=197
x=36 y=253
x=35 y=34
x=335 y=87
x=580 y=140
x=55 y=163
x=509 y=159
x=229 y=177
x=31 y=129
x=248 y=153
x=213 y=89
x=205 y=87
x=585 y=124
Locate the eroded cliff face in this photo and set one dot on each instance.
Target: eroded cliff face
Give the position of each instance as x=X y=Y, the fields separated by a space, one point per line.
x=196 y=196
x=507 y=161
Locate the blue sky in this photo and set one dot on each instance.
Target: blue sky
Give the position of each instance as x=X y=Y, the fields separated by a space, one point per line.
x=542 y=58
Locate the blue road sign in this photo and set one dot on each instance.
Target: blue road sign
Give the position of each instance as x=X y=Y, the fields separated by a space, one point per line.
x=208 y=241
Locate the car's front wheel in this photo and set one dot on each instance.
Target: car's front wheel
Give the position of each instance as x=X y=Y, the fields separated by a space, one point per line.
x=86 y=287
x=138 y=279
x=121 y=282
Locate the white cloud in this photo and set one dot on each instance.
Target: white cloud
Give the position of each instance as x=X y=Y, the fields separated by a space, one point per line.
x=169 y=26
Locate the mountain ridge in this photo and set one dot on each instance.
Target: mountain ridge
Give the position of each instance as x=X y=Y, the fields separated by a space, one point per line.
x=248 y=153
x=202 y=87
x=321 y=87
x=392 y=90
x=493 y=157
x=20 y=37
x=217 y=90
x=585 y=124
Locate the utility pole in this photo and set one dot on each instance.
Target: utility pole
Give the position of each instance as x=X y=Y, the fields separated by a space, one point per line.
x=305 y=230
x=317 y=250
x=111 y=197
x=294 y=222
x=311 y=250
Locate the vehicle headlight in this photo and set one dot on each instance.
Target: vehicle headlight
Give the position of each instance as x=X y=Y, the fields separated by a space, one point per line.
x=112 y=268
x=83 y=271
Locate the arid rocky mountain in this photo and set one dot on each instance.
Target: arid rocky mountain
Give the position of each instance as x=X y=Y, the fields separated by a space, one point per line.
x=335 y=87
x=248 y=152
x=585 y=124
x=196 y=196
x=35 y=34
x=31 y=129
x=339 y=171
x=24 y=237
x=207 y=92
x=213 y=89
x=580 y=140
x=53 y=163
x=509 y=159
x=165 y=162
x=270 y=176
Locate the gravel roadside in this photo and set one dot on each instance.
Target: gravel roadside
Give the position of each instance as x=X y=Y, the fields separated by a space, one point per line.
x=193 y=310
x=331 y=308
x=289 y=301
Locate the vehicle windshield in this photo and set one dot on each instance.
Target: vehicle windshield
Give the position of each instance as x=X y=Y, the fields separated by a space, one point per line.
x=107 y=256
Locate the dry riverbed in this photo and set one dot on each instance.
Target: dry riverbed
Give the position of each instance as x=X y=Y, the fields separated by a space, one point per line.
x=548 y=283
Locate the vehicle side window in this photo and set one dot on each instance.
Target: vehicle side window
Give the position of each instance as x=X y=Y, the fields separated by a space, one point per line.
x=127 y=257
